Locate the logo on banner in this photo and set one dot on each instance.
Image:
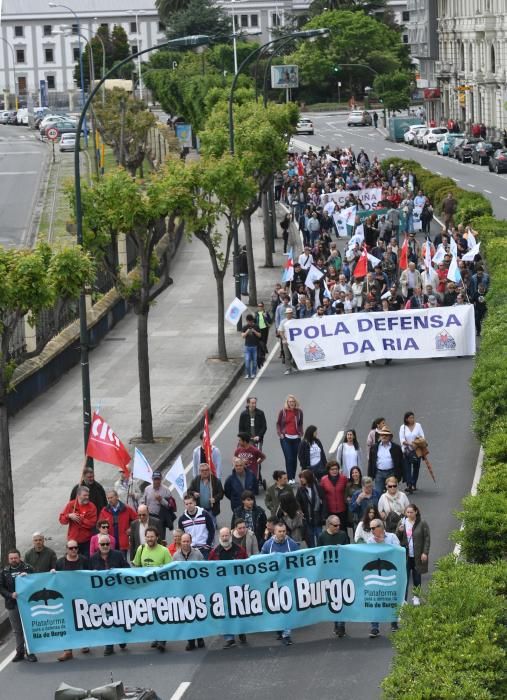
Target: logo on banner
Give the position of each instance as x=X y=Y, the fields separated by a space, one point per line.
x=377 y=579
x=445 y=341
x=45 y=595
x=314 y=353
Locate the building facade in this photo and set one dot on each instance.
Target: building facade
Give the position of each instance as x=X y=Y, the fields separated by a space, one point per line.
x=423 y=41
x=473 y=61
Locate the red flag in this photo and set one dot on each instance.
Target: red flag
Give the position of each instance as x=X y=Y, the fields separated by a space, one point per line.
x=403 y=264
x=206 y=445
x=105 y=445
x=361 y=268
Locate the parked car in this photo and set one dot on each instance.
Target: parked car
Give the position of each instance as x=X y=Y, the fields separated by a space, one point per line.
x=433 y=135
x=454 y=145
x=359 y=117
x=68 y=142
x=482 y=151
x=22 y=116
x=463 y=152
x=54 y=120
x=304 y=126
x=418 y=138
x=411 y=131
x=444 y=145
x=5 y=116
x=12 y=117
x=64 y=127
x=498 y=161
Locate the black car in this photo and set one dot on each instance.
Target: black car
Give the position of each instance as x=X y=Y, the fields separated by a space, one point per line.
x=482 y=151
x=498 y=161
x=12 y=117
x=463 y=152
x=453 y=146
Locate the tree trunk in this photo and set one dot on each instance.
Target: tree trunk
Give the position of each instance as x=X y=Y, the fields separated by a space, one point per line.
x=252 y=282
x=268 y=248
x=143 y=359
x=7 y=524
x=222 y=349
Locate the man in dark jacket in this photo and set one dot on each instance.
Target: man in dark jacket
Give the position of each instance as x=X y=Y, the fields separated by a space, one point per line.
x=96 y=490
x=120 y=517
x=253 y=422
x=253 y=515
x=107 y=558
x=40 y=557
x=385 y=460
x=208 y=491
x=240 y=480
x=16 y=567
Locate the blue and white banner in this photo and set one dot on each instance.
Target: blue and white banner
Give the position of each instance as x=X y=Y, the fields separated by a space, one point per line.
x=404 y=335
x=185 y=600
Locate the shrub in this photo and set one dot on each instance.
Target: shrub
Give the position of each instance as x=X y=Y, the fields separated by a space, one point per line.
x=483 y=537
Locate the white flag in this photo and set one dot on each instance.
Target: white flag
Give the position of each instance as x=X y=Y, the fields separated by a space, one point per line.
x=470 y=256
x=453 y=273
x=427 y=255
x=374 y=261
x=439 y=255
x=176 y=477
x=313 y=274
x=141 y=469
x=234 y=311
x=471 y=242
x=453 y=247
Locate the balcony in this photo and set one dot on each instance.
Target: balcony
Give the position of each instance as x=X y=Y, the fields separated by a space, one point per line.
x=443 y=69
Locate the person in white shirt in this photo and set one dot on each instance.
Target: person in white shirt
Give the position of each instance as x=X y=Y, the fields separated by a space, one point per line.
x=349 y=453
x=410 y=430
x=392 y=504
x=306 y=258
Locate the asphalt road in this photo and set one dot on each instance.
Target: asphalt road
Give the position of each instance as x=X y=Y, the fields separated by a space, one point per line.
x=318 y=663
x=22 y=159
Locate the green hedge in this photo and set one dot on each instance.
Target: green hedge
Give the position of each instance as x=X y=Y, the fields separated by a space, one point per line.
x=454 y=646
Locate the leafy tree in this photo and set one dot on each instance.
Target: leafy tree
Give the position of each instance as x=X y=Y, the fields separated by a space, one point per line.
x=167 y=8
x=116 y=49
x=117 y=204
x=124 y=124
x=120 y=49
x=355 y=38
x=199 y=17
x=394 y=89
x=30 y=281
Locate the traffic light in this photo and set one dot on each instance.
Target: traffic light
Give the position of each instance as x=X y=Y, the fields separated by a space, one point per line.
x=337 y=69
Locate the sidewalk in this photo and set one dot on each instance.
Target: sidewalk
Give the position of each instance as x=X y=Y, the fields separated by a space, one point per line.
x=46 y=437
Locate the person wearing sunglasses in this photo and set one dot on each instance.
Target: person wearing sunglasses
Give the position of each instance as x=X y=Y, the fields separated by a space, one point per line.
x=108 y=558
x=71 y=561
x=103 y=528
x=392 y=504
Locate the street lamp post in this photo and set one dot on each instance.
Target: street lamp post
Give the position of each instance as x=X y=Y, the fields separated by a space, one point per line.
x=81 y=72
x=16 y=100
x=136 y=14
x=196 y=40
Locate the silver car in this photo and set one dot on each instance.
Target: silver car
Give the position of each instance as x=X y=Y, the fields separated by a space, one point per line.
x=359 y=117
x=6 y=116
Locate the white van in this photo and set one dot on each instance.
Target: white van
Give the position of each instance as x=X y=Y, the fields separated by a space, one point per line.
x=22 y=116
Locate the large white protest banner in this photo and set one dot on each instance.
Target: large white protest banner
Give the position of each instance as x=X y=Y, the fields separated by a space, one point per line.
x=370 y=197
x=362 y=337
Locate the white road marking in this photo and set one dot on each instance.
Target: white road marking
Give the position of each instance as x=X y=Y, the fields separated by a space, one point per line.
x=469 y=184
x=504 y=198
x=21 y=172
x=488 y=191
x=181 y=690
x=6 y=661
x=438 y=172
x=360 y=392
x=473 y=491
x=20 y=153
x=456 y=179
x=336 y=442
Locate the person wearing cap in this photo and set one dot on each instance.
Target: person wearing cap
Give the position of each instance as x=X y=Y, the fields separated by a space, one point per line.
x=160 y=502
x=385 y=459
x=289 y=360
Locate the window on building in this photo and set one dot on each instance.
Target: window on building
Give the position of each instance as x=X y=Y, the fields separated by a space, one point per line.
x=161 y=26
x=74 y=28
x=51 y=82
x=133 y=27
x=493 y=59
x=20 y=55
x=47 y=30
x=275 y=19
x=405 y=38
x=134 y=49
x=462 y=56
x=75 y=53
x=470 y=58
x=254 y=20
x=49 y=55
x=19 y=30
x=105 y=25
x=405 y=16
x=244 y=20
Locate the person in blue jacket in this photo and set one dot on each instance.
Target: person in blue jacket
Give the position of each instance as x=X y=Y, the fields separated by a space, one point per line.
x=240 y=480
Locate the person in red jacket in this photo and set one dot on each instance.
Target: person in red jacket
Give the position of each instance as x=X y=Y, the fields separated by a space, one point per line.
x=119 y=516
x=80 y=515
x=333 y=485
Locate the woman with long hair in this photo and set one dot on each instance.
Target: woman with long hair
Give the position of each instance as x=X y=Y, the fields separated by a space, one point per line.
x=289 y=428
x=392 y=504
x=349 y=453
x=363 y=527
x=353 y=484
x=409 y=431
x=289 y=512
x=311 y=453
x=311 y=502
x=373 y=435
x=414 y=535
